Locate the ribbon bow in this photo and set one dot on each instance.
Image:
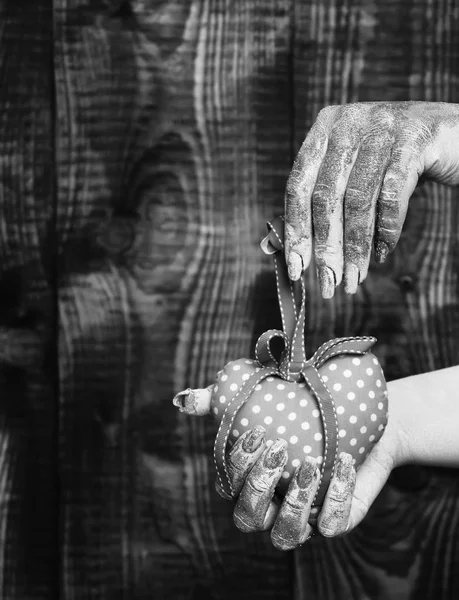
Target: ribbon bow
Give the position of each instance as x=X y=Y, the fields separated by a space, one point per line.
x=292 y=364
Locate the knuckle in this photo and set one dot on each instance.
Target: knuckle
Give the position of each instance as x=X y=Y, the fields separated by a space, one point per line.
x=388 y=235
x=292 y=189
x=340 y=494
x=418 y=132
x=384 y=116
x=389 y=198
x=293 y=507
x=237 y=473
x=328 y=254
x=353 y=114
x=402 y=154
x=327 y=113
x=321 y=197
x=357 y=199
x=258 y=485
x=243 y=522
x=341 y=144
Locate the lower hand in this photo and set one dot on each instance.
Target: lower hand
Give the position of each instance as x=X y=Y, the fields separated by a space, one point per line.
x=352 y=180
x=255 y=469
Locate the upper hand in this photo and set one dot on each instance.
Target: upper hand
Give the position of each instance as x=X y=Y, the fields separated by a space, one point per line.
x=353 y=177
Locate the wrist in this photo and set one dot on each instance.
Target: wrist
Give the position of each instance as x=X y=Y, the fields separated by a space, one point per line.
x=399 y=426
x=424 y=417
x=442 y=155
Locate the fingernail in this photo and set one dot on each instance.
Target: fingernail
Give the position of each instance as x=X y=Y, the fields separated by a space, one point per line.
x=344 y=467
x=276 y=455
x=295 y=266
x=194 y=402
x=307 y=472
x=351 y=279
x=381 y=251
x=327 y=281
x=254 y=439
x=185 y=401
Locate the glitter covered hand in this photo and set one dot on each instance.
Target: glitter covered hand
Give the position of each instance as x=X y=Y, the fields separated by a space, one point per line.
x=255 y=467
x=422 y=429
x=353 y=177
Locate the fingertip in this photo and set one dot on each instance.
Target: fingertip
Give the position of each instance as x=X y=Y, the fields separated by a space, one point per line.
x=327 y=281
x=253 y=439
x=351 y=278
x=345 y=470
x=294 y=265
x=381 y=251
x=194 y=402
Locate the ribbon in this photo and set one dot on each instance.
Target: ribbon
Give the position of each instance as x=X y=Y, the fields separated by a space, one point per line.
x=291 y=365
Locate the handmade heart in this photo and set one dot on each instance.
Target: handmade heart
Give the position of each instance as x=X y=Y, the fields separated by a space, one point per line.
x=290 y=410
x=336 y=401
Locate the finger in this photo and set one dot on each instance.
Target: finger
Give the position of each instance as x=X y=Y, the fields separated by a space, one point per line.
x=194 y=402
x=300 y=185
x=257 y=493
x=243 y=455
x=398 y=185
x=360 y=200
x=334 y=516
x=291 y=528
x=327 y=206
x=371 y=478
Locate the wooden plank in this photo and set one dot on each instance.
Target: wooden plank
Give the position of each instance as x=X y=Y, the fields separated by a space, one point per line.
x=175 y=126
x=173 y=148
x=344 y=52
x=28 y=486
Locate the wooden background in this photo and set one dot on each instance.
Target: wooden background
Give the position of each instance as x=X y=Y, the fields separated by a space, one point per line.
x=143 y=144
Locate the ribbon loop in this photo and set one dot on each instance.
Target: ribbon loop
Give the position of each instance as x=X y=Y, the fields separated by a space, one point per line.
x=346 y=345
x=274 y=241
x=263 y=351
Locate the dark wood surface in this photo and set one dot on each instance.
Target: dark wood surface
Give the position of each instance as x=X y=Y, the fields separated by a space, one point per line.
x=143 y=146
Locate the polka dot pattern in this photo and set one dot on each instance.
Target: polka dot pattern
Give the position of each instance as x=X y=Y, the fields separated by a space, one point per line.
x=290 y=411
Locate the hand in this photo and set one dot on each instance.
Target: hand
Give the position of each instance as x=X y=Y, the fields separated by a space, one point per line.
x=422 y=429
x=352 y=179
x=255 y=469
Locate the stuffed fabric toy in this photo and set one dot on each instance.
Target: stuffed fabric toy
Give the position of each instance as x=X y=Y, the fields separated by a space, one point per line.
x=335 y=401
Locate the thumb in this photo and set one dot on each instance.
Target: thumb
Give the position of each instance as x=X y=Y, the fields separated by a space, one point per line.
x=194 y=402
x=371 y=478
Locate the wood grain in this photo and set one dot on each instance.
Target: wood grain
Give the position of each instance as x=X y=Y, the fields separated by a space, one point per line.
x=28 y=366
x=171 y=156
x=368 y=52
x=143 y=145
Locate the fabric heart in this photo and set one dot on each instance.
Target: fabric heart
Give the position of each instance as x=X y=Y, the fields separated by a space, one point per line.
x=336 y=401
x=289 y=410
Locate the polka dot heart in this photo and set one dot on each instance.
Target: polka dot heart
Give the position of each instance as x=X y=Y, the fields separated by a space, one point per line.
x=289 y=410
